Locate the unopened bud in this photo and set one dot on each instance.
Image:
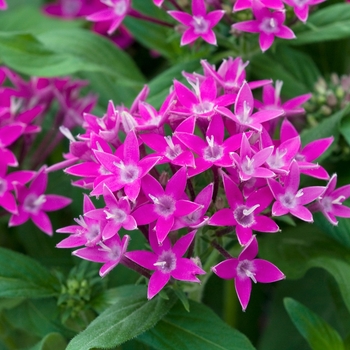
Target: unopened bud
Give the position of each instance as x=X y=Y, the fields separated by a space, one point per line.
x=219 y=203
x=332 y=100
x=164 y=178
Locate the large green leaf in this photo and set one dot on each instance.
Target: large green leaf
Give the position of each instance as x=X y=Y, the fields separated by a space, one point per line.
x=66 y=51
x=296 y=251
x=318 y=333
x=21 y=276
x=329 y=23
x=29 y=19
x=131 y=315
x=295 y=68
x=198 y=329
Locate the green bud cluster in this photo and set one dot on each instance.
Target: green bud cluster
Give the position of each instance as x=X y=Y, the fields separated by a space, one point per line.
x=329 y=97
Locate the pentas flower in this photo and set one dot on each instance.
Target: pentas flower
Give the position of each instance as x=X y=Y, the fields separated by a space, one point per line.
x=125 y=167
x=167 y=262
x=203 y=101
x=73 y=8
x=243 y=111
x=88 y=232
x=283 y=154
x=246 y=269
x=249 y=164
x=33 y=203
x=214 y=151
x=330 y=203
x=116 y=214
x=268 y=24
x=7 y=199
x=8 y=135
x=200 y=24
x=167 y=204
x=271 y=99
x=3 y=5
x=197 y=218
x=116 y=12
x=109 y=252
x=306 y=155
x=291 y=199
x=244 y=214
x=247 y=4
x=301 y=8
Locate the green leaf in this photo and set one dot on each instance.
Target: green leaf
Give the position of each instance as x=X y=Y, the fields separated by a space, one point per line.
x=196 y=330
x=94 y=53
x=154 y=37
x=66 y=51
x=296 y=251
x=21 y=276
x=318 y=333
x=51 y=341
x=328 y=127
x=29 y=19
x=37 y=317
x=131 y=315
x=329 y=23
x=345 y=128
x=295 y=68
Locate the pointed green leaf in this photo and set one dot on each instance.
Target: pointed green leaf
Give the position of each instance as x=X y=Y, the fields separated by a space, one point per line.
x=318 y=333
x=329 y=23
x=198 y=329
x=21 y=276
x=131 y=315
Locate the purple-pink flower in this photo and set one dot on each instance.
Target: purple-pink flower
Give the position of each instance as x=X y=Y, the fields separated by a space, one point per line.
x=3 y=5
x=167 y=262
x=33 y=203
x=200 y=24
x=246 y=269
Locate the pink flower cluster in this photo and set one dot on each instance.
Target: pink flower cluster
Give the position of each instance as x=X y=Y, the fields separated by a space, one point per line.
x=23 y=107
x=206 y=157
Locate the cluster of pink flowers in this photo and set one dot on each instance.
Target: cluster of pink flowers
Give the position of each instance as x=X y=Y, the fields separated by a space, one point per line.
x=269 y=17
x=149 y=166
x=23 y=107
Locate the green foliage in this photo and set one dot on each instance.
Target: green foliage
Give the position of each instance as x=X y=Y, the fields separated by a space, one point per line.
x=196 y=330
x=318 y=333
x=21 y=276
x=129 y=316
x=51 y=341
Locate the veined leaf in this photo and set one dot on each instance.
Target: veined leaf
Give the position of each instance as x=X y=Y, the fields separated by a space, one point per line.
x=318 y=333
x=131 y=315
x=198 y=329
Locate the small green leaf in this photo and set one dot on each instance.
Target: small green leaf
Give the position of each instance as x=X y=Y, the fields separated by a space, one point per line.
x=318 y=333
x=24 y=277
x=131 y=315
x=196 y=330
x=51 y=341
x=329 y=23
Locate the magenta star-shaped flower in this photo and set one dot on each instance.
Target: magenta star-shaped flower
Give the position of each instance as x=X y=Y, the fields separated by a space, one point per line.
x=167 y=262
x=109 y=252
x=268 y=24
x=291 y=199
x=246 y=269
x=116 y=12
x=33 y=203
x=244 y=214
x=200 y=24
x=167 y=204
x=301 y=7
x=331 y=201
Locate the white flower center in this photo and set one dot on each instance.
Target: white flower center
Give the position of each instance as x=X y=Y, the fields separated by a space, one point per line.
x=172 y=151
x=276 y=161
x=246 y=268
x=245 y=215
x=164 y=205
x=268 y=25
x=128 y=173
x=244 y=118
x=166 y=261
x=200 y=25
x=248 y=165
x=116 y=214
x=213 y=152
x=32 y=203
